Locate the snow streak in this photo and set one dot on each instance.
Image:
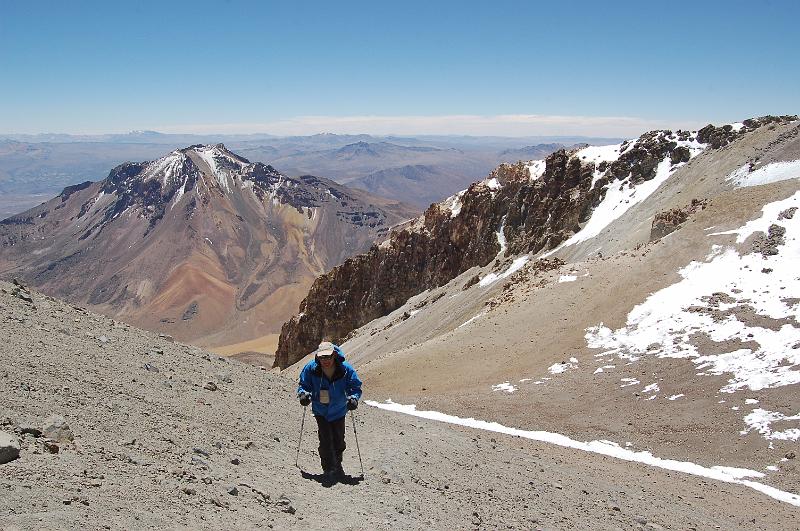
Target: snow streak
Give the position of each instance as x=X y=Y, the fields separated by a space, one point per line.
x=607 y=448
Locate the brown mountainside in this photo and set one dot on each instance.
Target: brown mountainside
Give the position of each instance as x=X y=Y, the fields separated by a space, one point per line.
x=522 y=208
x=200 y=244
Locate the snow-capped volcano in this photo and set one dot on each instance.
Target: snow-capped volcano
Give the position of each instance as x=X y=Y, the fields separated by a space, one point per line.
x=200 y=243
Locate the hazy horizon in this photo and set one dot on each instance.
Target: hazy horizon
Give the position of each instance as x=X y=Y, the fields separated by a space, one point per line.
x=508 y=69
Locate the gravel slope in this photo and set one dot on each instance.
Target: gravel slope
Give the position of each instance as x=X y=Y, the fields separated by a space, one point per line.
x=154 y=447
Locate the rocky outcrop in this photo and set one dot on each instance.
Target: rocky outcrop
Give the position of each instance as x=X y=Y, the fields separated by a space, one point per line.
x=534 y=214
x=718 y=137
x=669 y=221
x=437 y=248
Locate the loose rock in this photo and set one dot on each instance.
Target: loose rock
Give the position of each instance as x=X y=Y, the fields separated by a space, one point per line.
x=57 y=429
x=9 y=447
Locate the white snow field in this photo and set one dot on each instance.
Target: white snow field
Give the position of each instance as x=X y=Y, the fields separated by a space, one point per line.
x=664 y=324
x=771 y=173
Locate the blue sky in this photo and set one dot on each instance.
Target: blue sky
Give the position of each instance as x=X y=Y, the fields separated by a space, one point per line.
x=503 y=67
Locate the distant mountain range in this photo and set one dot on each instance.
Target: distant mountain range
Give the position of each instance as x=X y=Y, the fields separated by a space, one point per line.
x=31 y=165
x=200 y=243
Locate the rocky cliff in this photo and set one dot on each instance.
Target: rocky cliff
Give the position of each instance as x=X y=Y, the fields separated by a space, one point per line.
x=520 y=208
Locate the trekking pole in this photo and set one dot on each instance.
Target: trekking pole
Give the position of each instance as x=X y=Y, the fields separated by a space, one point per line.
x=302 y=424
x=355 y=435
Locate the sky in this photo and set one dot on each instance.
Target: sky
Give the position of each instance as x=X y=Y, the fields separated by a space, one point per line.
x=509 y=68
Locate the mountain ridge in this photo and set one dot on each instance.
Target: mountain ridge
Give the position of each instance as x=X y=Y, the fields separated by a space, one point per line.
x=518 y=209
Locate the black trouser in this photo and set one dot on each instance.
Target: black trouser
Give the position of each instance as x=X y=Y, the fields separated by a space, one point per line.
x=331 y=442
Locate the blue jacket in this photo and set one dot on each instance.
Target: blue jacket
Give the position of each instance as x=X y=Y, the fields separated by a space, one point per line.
x=344 y=384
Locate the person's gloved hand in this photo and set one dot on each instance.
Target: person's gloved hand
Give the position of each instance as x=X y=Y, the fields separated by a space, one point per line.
x=305 y=398
x=352 y=403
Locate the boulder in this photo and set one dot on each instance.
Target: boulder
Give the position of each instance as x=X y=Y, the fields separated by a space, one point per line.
x=57 y=429
x=9 y=447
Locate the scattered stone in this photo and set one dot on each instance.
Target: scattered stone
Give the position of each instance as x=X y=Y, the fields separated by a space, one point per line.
x=789 y=455
x=211 y=386
x=103 y=339
x=640 y=520
x=57 y=429
x=233 y=491
x=247 y=444
x=218 y=445
x=29 y=429
x=189 y=490
x=787 y=214
x=471 y=282
x=768 y=246
x=167 y=337
x=219 y=503
x=236 y=461
x=200 y=451
x=286 y=504
x=190 y=311
x=51 y=447
x=149 y=367
x=9 y=447
x=199 y=462
x=224 y=377
x=207 y=480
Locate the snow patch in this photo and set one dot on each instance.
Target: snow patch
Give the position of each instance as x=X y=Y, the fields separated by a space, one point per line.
x=761 y=419
x=663 y=325
x=603 y=368
x=453 y=203
x=567 y=278
x=652 y=388
x=515 y=266
x=472 y=319
x=771 y=173
x=536 y=169
x=558 y=368
x=505 y=386
x=598 y=154
x=501 y=237
x=619 y=198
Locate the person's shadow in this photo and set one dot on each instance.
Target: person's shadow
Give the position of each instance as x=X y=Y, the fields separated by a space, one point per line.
x=330 y=481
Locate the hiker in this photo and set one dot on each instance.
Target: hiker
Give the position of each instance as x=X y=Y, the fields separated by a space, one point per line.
x=333 y=388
